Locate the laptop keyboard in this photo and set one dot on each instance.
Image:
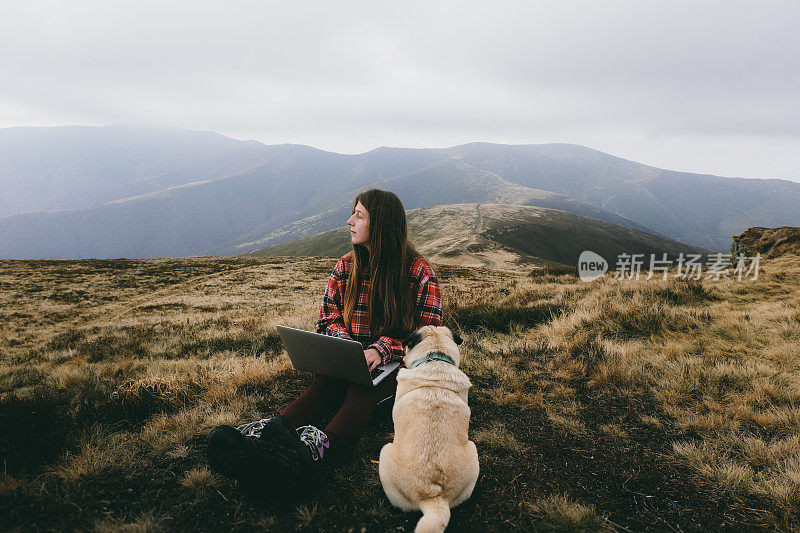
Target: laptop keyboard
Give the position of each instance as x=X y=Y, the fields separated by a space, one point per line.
x=375 y=373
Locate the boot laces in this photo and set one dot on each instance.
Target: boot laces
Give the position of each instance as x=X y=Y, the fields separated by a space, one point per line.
x=315 y=439
x=253 y=429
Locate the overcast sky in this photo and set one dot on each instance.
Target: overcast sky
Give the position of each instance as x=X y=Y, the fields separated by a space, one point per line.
x=699 y=86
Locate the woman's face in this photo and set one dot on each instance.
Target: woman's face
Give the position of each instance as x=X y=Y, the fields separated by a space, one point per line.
x=359 y=225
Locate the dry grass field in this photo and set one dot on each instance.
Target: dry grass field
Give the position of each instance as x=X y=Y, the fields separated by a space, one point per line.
x=615 y=405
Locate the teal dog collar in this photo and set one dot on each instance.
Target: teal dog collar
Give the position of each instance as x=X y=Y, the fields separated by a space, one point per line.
x=433 y=356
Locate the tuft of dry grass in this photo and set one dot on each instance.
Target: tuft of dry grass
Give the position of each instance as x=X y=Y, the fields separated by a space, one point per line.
x=499 y=437
x=743 y=464
x=306 y=514
x=568 y=424
x=199 y=480
x=559 y=513
x=614 y=431
x=650 y=421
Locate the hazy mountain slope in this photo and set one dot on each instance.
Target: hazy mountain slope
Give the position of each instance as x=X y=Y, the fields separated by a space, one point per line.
x=719 y=208
x=327 y=186
x=598 y=185
x=229 y=215
x=74 y=167
x=185 y=220
x=443 y=182
x=145 y=227
x=79 y=166
x=197 y=218
x=219 y=196
x=429 y=186
x=700 y=209
x=498 y=235
x=564 y=168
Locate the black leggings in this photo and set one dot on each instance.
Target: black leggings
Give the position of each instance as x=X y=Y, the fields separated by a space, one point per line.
x=355 y=405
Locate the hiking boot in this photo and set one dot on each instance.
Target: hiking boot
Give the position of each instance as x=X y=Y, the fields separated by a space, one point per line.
x=233 y=454
x=259 y=454
x=297 y=451
x=278 y=435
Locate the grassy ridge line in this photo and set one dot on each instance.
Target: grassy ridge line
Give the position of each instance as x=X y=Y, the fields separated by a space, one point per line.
x=83 y=317
x=499 y=236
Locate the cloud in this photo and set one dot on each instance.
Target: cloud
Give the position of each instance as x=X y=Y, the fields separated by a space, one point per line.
x=348 y=76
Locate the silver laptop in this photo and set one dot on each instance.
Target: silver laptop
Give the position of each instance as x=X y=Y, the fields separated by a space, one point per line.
x=331 y=356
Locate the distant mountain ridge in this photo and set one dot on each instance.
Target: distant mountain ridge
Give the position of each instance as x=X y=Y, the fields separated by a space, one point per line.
x=122 y=191
x=73 y=167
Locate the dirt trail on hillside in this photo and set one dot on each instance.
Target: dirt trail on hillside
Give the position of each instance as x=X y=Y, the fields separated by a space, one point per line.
x=473 y=237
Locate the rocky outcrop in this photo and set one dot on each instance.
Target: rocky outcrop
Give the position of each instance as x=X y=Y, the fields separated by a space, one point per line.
x=769 y=242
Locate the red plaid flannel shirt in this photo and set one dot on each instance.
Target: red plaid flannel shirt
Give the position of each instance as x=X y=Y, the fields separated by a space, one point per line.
x=424 y=291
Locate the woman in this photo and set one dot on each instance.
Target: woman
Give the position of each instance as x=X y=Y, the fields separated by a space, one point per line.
x=378 y=293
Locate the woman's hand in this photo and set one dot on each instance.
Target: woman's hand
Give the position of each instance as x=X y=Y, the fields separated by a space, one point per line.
x=373 y=358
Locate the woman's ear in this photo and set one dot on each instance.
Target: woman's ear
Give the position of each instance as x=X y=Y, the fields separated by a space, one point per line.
x=457 y=339
x=412 y=340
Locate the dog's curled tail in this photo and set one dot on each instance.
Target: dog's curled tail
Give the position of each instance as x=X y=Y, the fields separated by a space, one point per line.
x=435 y=515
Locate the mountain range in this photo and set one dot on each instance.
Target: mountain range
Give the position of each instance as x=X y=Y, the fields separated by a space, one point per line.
x=123 y=191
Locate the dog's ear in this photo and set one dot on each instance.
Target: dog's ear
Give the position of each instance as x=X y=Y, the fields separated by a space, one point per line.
x=412 y=340
x=457 y=339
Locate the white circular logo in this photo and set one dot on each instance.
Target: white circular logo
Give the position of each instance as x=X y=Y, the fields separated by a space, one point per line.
x=591 y=266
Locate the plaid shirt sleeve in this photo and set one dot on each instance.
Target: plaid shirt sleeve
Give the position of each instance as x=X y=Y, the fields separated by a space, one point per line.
x=428 y=306
x=331 y=321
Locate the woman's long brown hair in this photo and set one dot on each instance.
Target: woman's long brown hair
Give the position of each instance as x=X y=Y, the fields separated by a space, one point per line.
x=391 y=308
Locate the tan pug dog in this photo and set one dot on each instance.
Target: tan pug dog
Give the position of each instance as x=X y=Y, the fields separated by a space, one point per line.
x=431 y=465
